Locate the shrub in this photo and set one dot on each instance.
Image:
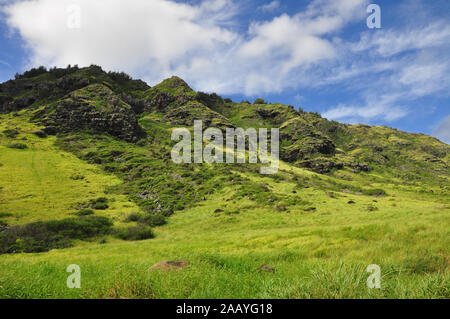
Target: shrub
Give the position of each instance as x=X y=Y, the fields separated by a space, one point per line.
x=119 y=77
x=209 y=100
x=43 y=236
x=31 y=73
x=374 y=192
x=99 y=203
x=100 y=206
x=3 y=214
x=134 y=233
x=154 y=220
x=11 y=133
x=40 y=134
x=77 y=177
x=85 y=212
x=259 y=101
x=19 y=146
x=134 y=217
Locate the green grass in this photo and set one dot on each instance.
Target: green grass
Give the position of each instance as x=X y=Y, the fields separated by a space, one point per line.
x=321 y=253
x=42 y=182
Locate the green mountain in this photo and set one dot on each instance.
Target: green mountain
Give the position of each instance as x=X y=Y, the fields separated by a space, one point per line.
x=86 y=175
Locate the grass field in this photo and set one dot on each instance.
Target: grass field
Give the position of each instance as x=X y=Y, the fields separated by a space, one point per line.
x=316 y=255
x=319 y=249
x=42 y=182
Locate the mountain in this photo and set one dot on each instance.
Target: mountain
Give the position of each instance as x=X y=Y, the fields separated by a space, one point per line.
x=86 y=156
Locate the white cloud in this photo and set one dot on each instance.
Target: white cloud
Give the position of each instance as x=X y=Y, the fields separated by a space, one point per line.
x=442 y=131
x=201 y=43
x=271 y=6
x=154 y=35
x=390 y=42
x=374 y=108
x=390 y=70
x=5 y=63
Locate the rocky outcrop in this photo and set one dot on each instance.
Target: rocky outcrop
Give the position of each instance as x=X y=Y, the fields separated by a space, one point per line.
x=308 y=147
x=96 y=109
x=321 y=165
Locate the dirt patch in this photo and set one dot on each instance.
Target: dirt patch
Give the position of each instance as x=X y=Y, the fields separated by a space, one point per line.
x=170 y=265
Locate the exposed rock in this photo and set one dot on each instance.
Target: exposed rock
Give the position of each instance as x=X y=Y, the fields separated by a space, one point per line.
x=306 y=148
x=161 y=101
x=170 y=265
x=186 y=115
x=266 y=268
x=83 y=111
x=321 y=165
x=359 y=167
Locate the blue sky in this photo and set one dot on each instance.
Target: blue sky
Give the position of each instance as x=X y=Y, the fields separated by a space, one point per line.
x=317 y=54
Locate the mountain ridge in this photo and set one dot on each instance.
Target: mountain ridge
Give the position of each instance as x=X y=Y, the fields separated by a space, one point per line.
x=307 y=139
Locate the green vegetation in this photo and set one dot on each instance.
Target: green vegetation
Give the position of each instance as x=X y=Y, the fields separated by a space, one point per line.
x=135 y=233
x=19 y=146
x=43 y=236
x=95 y=186
x=85 y=212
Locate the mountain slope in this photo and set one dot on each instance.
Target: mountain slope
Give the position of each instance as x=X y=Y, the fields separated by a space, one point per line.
x=345 y=196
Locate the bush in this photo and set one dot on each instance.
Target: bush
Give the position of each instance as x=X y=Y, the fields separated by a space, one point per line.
x=210 y=100
x=31 y=73
x=40 y=134
x=19 y=146
x=3 y=214
x=134 y=233
x=44 y=236
x=100 y=206
x=154 y=220
x=134 y=217
x=99 y=203
x=85 y=212
x=11 y=133
x=77 y=177
x=374 y=192
x=119 y=77
x=149 y=220
x=259 y=101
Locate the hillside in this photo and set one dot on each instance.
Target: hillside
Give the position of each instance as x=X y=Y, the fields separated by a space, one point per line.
x=86 y=178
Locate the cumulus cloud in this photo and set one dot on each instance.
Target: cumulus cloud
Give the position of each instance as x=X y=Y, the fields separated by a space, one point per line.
x=442 y=131
x=200 y=42
x=153 y=35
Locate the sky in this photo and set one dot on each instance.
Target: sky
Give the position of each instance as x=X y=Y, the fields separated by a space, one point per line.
x=319 y=55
